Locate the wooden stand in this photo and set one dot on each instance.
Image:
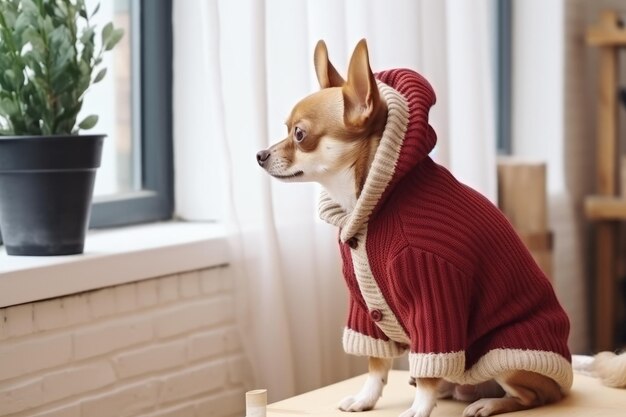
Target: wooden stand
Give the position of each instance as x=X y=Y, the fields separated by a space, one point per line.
x=522 y=198
x=608 y=207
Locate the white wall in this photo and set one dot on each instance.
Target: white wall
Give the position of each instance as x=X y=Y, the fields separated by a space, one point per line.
x=163 y=347
x=537 y=86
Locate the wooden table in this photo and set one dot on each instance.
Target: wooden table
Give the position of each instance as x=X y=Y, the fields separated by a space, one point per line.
x=588 y=399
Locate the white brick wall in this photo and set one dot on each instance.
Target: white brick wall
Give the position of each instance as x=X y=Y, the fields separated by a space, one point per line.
x=164 y=347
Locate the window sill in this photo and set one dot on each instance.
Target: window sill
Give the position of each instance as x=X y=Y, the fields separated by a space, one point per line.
x=113 y=257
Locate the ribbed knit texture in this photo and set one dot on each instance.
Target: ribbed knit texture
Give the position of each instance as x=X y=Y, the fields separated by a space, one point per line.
x=433 y=266
x=381 y=171
x=359 y=344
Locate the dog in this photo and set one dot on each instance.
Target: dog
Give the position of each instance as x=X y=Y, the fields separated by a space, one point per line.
x=432 y=267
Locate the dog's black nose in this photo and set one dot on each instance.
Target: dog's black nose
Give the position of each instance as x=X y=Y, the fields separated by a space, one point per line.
x=262 y=156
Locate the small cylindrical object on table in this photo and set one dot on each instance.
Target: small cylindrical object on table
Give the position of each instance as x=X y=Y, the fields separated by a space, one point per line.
x=256 y=403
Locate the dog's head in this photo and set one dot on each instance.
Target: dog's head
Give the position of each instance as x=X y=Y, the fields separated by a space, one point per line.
x=331 y=134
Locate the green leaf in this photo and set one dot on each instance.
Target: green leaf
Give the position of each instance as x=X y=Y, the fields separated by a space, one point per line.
x=33 y=60
x=48 y=24
x=87 y=54
x=10 y=75
x=33 y=37
x=88 y=122
x=64 y=58
x=29 y=6
x=63 y=54
x=8 y=107
x=61 y=10
x=87 y=35
x=22 y=22
x=113 y=39
x=95 y=10
x=106 y=32
x=63 y=81
x=10 y=17
x=100 y=75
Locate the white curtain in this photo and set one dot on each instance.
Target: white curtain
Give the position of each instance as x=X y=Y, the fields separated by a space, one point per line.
x=239 y=66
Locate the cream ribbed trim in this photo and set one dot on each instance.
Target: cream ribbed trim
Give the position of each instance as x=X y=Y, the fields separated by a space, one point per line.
x=359 y=344
x=497 y=361
x=371 y=293
x=435 y=365
x=380 y=173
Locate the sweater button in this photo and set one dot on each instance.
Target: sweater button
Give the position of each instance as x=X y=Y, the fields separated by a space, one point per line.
x=376 y=315
x=353 y=242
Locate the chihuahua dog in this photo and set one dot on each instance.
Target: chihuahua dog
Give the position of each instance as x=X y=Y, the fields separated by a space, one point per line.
x=432 y=267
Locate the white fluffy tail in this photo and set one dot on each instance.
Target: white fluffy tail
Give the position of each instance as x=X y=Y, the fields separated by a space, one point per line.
x=607 y=366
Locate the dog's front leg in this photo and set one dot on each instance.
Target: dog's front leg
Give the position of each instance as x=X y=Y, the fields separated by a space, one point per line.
x=372 y=389
x=425 y=398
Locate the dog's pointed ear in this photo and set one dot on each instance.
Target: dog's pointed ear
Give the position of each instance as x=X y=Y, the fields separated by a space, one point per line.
x=360 y=93
x=327 y=75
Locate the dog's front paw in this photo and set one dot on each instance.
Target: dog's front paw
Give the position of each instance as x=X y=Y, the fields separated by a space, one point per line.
x=412 y=412
x=359 y=402
x=408 y=413
x=366 y=398
x=423 y=404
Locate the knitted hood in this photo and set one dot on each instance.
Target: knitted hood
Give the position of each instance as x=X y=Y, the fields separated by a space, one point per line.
x=407 y=140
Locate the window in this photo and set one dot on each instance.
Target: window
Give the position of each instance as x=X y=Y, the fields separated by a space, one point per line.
x=503 y=32
x=135 y=181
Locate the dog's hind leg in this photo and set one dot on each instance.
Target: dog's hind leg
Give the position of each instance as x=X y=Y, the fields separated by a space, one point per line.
x=524 y=390
x=372 y=389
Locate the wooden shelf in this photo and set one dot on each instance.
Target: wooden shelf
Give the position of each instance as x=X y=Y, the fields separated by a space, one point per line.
x=603 y=37
x=610 y=31
x=605 y=208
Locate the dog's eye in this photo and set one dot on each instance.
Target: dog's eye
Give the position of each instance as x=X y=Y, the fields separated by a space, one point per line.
x=299 y=134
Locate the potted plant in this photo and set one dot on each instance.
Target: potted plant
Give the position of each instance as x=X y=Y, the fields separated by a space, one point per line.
x=49 y=58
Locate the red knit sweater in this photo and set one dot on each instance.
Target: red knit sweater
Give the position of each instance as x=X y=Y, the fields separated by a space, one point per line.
x=433 y=267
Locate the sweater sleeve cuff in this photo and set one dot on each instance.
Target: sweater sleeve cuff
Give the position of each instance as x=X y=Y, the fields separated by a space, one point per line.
x=356 y=343
x=436 y=365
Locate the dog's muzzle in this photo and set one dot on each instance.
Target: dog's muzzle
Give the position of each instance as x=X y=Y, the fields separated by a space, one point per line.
x=262 y=157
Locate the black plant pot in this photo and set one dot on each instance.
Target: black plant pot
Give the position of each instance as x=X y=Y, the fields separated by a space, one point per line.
x=46 y=186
